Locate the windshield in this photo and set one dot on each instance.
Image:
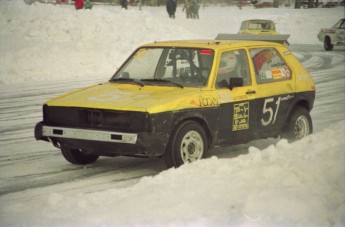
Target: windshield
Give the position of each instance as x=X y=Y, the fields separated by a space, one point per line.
x=258 y=25
x=183 y=67
x=340 y=24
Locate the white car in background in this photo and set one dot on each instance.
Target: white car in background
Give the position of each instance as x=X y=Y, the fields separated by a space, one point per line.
x=334 y=36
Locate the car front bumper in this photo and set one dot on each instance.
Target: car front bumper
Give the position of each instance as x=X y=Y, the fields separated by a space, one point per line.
x=85 y=134
x=105 y=143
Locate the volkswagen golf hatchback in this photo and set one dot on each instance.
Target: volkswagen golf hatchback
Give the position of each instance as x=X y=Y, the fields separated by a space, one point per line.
x=179 y=99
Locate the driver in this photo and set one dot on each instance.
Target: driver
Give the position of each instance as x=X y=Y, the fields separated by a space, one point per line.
x=226 y=69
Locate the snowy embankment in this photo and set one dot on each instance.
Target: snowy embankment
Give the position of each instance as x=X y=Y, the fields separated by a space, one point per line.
x=300 y=184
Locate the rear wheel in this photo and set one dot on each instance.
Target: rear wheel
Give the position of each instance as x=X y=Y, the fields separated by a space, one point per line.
x=188 y=144
x=327 y=44
x=298 y=125
x=75 y=156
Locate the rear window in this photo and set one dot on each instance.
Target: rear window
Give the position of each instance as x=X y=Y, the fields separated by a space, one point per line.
x=269 y=65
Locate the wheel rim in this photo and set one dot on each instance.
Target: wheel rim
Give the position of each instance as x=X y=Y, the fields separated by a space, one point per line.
x=192 y=147
x=302 y=128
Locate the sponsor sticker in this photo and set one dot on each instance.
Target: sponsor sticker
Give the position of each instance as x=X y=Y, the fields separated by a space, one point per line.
x=241 y=116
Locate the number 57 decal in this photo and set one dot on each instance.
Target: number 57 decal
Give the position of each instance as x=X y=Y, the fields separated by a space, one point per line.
x=272 y=112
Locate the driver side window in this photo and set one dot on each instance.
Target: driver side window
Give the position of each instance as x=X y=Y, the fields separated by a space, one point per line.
x=233 y=64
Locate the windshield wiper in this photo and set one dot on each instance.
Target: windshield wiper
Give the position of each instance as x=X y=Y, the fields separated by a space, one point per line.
x=164 y=81
x=128 y=80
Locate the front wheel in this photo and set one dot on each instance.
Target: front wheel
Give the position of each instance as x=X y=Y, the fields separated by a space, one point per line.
x=299 y=125
x=188 y=144
x=75 y=156
x=327 y=44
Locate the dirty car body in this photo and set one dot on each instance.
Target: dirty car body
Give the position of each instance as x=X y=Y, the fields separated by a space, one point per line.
x=179 y=99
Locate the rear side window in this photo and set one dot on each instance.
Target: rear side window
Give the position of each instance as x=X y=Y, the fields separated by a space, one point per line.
x=269 y=65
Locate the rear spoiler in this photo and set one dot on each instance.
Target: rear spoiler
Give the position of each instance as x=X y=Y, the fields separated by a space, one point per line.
x=278 y=38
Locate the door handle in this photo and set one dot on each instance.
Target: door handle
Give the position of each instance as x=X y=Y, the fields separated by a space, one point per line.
x=251 y=92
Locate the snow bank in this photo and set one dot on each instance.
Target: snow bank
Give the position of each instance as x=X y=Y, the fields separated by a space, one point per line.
x=285 y=184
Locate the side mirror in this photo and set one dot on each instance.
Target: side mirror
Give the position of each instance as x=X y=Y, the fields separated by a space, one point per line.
x=235 y=82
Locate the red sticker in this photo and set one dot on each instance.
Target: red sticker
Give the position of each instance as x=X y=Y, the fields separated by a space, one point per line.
x=206 y=52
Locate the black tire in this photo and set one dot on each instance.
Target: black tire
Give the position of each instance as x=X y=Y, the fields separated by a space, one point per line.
x=187 y=144
x=299 y=125
x=327 y=44
x=75 y=156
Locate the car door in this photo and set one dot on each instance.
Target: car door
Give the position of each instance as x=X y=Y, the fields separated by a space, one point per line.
x=275 y=90
x=340 y=31
x=237 y=113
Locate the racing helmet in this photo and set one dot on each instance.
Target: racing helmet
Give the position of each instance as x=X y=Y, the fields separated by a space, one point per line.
x=228 y=63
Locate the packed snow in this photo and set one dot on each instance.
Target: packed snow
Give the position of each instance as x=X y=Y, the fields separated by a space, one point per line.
x=49 y=49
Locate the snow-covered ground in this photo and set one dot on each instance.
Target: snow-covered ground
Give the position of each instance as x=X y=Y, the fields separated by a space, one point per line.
x=48 y=49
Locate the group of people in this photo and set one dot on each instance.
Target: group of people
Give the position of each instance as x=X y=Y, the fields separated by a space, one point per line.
x=87 y=4
x=191 y=7
x=80 y=4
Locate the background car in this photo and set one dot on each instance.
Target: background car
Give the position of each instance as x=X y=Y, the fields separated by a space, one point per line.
x=334 y=36
x=258 y=26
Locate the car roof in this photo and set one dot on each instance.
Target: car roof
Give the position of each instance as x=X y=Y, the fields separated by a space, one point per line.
x=211 y=44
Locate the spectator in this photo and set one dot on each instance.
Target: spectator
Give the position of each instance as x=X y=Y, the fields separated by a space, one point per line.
x=188 y=8
x=171 y=8
x=124 y=4
x=88 y=4
x=195 y=9
x=79 y=4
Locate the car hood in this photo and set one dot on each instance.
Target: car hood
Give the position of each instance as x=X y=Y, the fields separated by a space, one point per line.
x=130 y=97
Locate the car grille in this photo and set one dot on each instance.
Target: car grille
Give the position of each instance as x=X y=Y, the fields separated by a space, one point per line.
x=125 y=121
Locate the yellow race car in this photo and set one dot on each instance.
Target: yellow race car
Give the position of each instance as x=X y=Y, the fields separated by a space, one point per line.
x=179 y=99
x=257 y=27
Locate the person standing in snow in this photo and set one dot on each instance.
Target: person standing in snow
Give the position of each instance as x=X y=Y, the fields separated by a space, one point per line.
x=79 y=4
x=124 y=4
x=171 y=8
x=195 y=9
x=88 y=4
x=188 y=7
